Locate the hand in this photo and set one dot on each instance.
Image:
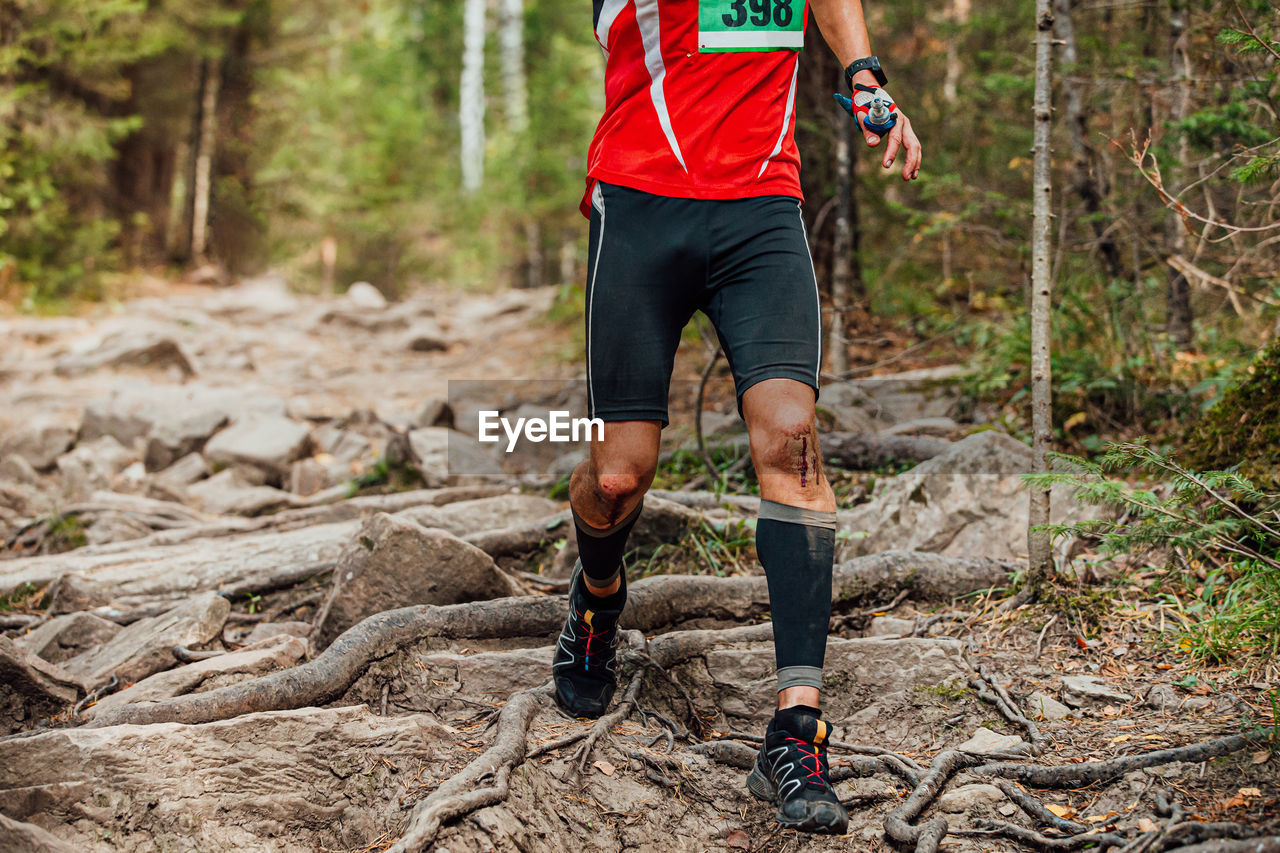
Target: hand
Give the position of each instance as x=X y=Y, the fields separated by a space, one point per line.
x=901 y=137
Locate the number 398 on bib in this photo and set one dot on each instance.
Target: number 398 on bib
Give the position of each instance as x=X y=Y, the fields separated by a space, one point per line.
x=732 y=26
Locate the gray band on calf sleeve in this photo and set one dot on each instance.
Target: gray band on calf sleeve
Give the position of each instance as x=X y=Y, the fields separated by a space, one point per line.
x=797 y=515
x=799 y=676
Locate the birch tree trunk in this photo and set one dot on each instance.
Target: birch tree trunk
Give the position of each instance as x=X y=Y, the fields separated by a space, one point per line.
x=958 y=16
x=1039 y=544
x=471 y=96
x=204 y=163
x=1179 y=293
x=511 y=43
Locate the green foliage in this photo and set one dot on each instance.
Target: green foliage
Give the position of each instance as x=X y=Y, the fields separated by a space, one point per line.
x=713 y=547
x=1243 y=428
x=1215 y=521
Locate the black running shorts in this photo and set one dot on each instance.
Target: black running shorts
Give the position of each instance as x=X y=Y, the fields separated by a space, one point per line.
x=655 y=260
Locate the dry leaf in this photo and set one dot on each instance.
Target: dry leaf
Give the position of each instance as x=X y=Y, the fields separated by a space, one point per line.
x=739 y=839
x=1250 y=792
x=1234 y=803
x=604 y=767
x=1261 y=757
x=1060 y=811
x=1147 y=824
x=1120 y=738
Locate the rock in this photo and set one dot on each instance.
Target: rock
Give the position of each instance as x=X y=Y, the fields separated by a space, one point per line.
x=267 y=630
x=128 y=349
x=1197 y=703
x=940 y=427
x=146 y=646
x=17 y=469
x=93 y=466
x=484 y=514
x=985 y=742
x=269 y=442
x=969 y=797
x=181 y=474
x=426 y=336
x=1163 y=697
x=1080 y=690
x=447 y=457
x=31 y=688
x=362 y=294
x=229 y=493
x=39 y=443
x=172 y=420
x=210 y=674
x=967 y=501
x=286 y=781
x=65 y=637
x=18 y=837
x=436 y=412
x=307 y=476
x=839 y=418
x=890 y=626
x=1042 y=706
x=129 y=576
x=394 y=562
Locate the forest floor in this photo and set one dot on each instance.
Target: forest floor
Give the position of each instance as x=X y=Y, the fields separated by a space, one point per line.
x=257 y=593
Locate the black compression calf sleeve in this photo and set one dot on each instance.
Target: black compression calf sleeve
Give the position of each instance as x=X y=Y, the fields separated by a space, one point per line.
x=601 y=550
x=797 y=548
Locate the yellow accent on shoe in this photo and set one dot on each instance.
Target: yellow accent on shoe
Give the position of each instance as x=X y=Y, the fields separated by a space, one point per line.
x=822 y=732
x=586 y=617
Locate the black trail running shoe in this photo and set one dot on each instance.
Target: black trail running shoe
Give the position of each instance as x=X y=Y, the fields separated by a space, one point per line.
x=583 y=666
x=791 y=771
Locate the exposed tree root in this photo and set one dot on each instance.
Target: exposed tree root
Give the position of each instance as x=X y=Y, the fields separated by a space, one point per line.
x=458 y=795
x=283 y=579
x=899 y=824
x=990 y=690
x=1079 y=775
x=1253 y=845
x=521 y=539
x=1037 y=841
x=865 y=451
x=1036 y=810
x=606 y=723
x=654 y=603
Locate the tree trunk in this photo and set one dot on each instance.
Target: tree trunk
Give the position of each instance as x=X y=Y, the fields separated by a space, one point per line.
x=1039 y=544
x=1086 y=178
x=958 y=16
x=1179 y=293
x=842 y=251
x=512 y=46
x=471 y=96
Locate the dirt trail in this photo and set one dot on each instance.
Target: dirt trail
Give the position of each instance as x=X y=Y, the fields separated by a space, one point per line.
x=210 y=641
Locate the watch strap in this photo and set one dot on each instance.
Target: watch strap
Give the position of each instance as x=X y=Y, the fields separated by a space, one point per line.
x=869 y=63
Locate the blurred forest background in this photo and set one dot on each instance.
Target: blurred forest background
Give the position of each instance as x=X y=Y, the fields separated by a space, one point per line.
x=405 y=142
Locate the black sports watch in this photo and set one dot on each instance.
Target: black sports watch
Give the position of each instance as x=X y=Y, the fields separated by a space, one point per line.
x=871 y=63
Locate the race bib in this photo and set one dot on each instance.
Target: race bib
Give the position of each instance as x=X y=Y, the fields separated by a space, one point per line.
x=733 y=26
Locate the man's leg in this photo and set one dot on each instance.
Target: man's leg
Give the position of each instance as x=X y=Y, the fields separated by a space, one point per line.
x=606 y=493
x=795 y=535
x=795 y=538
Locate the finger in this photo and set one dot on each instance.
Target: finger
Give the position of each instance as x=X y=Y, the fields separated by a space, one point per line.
x=914 y=151
x=895 y=142
x=873 y=138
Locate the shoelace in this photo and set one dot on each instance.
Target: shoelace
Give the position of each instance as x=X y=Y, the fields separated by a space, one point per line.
x=591 y=635
x=816 y=772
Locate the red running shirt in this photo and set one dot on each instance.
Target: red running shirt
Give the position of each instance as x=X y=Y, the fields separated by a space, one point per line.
x=687 y=124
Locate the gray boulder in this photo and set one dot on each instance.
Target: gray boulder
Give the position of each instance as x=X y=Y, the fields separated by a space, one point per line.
x=128 y=349
x=40 y=442
x=65 y=637
x=208 y=674
x=146 y=646
x=448 y=457
x=394 y=562
x=230 y=493
x=1080 y=690
x=968 y=501
x=30 y=688
x=268 y=442
x=93 y=465
x=172 y=421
